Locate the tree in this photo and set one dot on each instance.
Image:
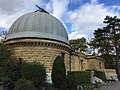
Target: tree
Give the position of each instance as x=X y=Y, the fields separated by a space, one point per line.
x=8 y=64
x=3 y=34
x=103 y=45
x=107 y=42
x=34 y=72
x=5 y=55
x=79 y=44
x=59 y=73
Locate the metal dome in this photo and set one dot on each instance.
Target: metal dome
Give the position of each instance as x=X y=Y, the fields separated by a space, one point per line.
x=38 y=24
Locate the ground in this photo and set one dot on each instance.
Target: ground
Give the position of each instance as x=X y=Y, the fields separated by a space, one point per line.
x=110 y=86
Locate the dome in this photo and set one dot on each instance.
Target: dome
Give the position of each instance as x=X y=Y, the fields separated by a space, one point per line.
x=38 y=24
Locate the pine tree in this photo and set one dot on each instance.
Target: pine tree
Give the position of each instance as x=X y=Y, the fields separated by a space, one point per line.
x=107 y=42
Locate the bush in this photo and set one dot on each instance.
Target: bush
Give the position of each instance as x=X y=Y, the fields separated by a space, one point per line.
x=9 y=67
x=2 y=74
x=80 y=77
x=71 y=84
x=23 y=84
x=100 y=75
x=59 y=73
x=34 y=72
x=8 y=84
x=13 y=70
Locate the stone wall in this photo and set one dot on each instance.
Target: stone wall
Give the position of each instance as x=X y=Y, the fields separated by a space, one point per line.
x=79 y=62
x=82 y=62
x=96 y=63
x=43 y=51
x=110 y=71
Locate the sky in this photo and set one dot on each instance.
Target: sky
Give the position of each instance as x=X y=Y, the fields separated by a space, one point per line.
x=80 y=17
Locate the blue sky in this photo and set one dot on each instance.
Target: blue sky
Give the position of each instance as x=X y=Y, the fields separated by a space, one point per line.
x=80 y=17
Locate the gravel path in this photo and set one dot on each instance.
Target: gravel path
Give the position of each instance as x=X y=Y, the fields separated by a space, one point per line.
x=110 y=86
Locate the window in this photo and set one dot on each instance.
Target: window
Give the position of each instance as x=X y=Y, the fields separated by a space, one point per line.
x=100 y=65
x=81 y=64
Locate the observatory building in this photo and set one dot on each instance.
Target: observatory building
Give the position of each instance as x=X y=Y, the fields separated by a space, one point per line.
x=39 y=36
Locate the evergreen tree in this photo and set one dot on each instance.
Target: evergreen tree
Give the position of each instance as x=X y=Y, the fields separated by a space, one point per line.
x=59 y=73
x=107 y=42
x=79 y=45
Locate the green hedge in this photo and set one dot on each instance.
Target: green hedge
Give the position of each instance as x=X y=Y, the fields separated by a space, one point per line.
x=100 y=75
x=81 y=77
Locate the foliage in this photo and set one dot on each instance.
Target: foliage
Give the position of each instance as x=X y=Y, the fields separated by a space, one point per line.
x=5 y=55
x=23 y=84
x=34 y=72
x=79 y=44
x=15 y=69
x=100 y=75
x=81 y=77
x=9 y=66
x=3 y=33
x=2 y=74
x=71 y=84
x=106 y=41
x=8 y=84
x=59 y=73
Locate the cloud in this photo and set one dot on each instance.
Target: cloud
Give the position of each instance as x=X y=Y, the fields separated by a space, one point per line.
x=89 y=17
x=84 y=20
x=75 y=35
x=9 y=7
x=59 y=8
x=10 y=10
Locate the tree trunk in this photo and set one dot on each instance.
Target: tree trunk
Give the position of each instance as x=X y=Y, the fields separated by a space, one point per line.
x=117 y=60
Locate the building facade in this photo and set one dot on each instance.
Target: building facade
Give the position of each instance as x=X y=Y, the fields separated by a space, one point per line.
x=82 y=62
x=40 y=37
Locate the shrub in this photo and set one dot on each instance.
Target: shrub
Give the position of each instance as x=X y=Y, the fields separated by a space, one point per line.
x=34 y=72
x=5 y=55
x=2 y=74
x=13 y=70
x=81 y=77
x=100 y=75
x=59 y=73
x=9 y=67
x=8 y=84
x=23 y=84
x=71 y=84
